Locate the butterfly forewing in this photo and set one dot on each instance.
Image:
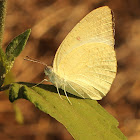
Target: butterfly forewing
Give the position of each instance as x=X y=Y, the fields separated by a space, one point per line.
x=86 y=58
x=97 y=26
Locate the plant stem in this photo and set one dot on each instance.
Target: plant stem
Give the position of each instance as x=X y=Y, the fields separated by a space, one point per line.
x=3 y=4
x=4 y=87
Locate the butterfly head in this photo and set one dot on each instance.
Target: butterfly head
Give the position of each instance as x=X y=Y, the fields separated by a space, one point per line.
x=48 y=70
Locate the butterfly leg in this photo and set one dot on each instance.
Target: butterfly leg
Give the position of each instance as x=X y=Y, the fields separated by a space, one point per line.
x=58 y=91
x=66 y=94
x=40 y=82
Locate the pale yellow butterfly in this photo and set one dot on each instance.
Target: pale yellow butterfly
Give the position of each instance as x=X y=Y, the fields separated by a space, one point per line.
x=85 y=63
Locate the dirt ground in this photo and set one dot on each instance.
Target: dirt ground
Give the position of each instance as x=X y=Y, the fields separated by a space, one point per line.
x=50 y=21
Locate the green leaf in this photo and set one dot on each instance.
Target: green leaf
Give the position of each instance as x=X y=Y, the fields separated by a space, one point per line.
x=85 y=119
x=12 y=51
x=16 y=46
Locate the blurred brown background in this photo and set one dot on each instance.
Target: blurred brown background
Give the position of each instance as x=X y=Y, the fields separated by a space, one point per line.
x=50 y=21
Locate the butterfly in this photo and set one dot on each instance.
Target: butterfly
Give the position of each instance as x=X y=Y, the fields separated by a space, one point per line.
x=85 y=63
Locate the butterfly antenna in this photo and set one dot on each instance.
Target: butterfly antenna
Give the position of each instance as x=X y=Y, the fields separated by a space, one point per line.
x=34 y=60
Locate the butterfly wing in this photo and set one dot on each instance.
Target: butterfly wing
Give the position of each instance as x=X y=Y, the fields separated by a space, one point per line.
x=97 y=26
x=89 y=70
x=86 y=58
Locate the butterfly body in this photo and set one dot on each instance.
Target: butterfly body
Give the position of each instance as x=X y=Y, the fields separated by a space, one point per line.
x=54 y=78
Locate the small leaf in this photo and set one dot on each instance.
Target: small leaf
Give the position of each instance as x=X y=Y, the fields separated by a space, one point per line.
x=13 y=93
x=12 y=51
x=16 y=46
x=18 y=113
x=85 y=119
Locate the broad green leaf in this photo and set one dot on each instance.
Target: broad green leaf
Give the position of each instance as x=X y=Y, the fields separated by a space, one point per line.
x=16 y=46
x=85 y=119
